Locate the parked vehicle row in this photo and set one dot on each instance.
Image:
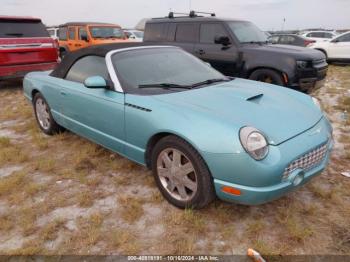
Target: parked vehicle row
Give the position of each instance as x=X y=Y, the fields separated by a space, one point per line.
x=239 y=48
x=203 y=134
x=336 y=49
x=25 y=46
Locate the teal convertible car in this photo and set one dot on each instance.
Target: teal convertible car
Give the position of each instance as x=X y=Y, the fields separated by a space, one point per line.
x=202 y=134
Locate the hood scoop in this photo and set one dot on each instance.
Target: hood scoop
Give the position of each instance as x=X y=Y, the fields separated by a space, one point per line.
x=255 y=98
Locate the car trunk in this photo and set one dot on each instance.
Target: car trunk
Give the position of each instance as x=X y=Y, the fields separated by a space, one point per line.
x=25 y=41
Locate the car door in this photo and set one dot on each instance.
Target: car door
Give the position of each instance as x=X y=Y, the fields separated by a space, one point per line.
x=222 y=58
x=83 y=39
x=71 y=38
x=186 y=34
x=95 y=113
x=340 y=47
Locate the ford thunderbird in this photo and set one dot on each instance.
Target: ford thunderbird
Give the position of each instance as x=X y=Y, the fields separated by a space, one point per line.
x=203 y=134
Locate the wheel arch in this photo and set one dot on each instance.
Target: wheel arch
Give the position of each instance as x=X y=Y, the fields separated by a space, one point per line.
x=34 y=92
x=284 y=75
x=154 y=139
x=323 y=51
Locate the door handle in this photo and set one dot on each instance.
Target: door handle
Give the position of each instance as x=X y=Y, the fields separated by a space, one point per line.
x=200 y=52
x=77 y=45
x=63 y=93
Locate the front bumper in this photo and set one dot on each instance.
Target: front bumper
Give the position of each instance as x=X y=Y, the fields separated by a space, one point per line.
x=263 y=181
x=260 y=195
x=311 y=78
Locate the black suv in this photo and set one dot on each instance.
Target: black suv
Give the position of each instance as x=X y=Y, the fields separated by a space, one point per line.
x=239 y=48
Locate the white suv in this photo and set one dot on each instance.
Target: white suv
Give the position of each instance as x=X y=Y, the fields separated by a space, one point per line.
x=319 y=36
x=337 y=48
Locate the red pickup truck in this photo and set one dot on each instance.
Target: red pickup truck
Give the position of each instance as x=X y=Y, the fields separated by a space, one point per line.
x=25 y=46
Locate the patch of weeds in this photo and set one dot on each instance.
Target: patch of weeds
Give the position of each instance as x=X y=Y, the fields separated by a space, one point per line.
x=11 y=154
x=341 y=238
x=33 y=188
x=49 y=231
x=255 y=228
x=44 y=165
x=5 y=141
x=120 y=238
x=12 y=183
x=26 y=220
x=264 y=248
x=132 y=208
x=190 y=220
x=156 y=197
x=297 y=231
x=85 y=199
x=320 y=192
x=6 y=223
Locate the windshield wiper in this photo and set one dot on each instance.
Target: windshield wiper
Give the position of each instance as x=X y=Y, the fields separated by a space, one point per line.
x=209 y=81
x=165 y=86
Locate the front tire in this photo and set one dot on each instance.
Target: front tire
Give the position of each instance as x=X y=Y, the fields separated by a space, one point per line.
x=44 y=117
x=267 y=76
x=181 y=174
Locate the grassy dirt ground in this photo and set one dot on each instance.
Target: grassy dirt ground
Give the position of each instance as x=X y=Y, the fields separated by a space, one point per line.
x=66 y=195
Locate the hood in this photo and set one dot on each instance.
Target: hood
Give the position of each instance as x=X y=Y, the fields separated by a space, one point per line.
x=296 y=52
x=278 y=112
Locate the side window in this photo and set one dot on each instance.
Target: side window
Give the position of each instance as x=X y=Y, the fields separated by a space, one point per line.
x=344 y=38
x=156 y=31
x=318 y=34
x=328 y=35
x=82 y=34
x=274 y=39
x=185 y=33
x=287 y=39
x=71 y=33
x=87 y=66
x=208 y=32
x=62 y=33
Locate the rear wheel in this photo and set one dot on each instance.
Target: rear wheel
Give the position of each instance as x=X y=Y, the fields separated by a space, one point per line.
x=267 y=76
x=44 y=117
x=181 y=174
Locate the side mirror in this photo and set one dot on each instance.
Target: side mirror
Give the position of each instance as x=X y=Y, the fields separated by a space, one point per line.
x=335 y=41
x=95 y=82
x=223 y=40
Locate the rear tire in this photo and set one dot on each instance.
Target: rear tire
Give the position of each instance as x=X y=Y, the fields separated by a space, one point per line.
x=44 y=117
x=181 y=174
x=267 y=76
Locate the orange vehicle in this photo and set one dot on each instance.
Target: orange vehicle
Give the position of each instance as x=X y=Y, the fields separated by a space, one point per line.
x=73 y=36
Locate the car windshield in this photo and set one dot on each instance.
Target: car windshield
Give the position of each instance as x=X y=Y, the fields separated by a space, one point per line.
x=22 y=28
x=247 y=32
x=138 y=34
x=162 y=68
x=106 y=32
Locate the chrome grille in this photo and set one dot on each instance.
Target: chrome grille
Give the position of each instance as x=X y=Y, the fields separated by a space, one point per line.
x=307 y=161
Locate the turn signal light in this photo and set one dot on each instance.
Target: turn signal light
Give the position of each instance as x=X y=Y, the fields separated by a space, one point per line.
x=231 y=190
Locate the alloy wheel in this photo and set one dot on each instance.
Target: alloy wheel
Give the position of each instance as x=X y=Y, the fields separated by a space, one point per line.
x=177 y=174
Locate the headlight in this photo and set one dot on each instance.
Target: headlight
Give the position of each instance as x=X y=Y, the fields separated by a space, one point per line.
x=316 y=102
x=254 y=142
x=302 y=64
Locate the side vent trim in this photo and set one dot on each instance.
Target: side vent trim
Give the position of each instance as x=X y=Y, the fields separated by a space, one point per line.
x=138 y=107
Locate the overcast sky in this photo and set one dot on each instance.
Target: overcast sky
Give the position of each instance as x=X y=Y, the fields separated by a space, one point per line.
x=267 y=14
